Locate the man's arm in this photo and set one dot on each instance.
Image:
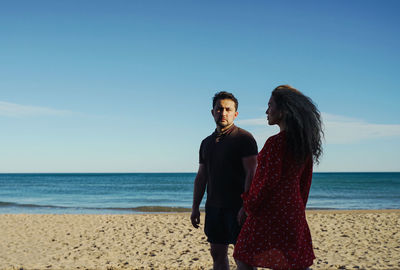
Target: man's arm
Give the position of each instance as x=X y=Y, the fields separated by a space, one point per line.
x=198 y=192
x=249 y=165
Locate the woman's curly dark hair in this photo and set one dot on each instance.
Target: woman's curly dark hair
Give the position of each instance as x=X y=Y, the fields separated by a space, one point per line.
x=302 y=121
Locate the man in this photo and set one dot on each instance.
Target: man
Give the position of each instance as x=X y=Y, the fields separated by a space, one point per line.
x=228 y=159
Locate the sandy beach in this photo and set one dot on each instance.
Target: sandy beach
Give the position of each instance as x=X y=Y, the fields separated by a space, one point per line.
x=367 y=239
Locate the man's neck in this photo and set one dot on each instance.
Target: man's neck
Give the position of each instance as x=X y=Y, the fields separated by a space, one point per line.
x=223 y=129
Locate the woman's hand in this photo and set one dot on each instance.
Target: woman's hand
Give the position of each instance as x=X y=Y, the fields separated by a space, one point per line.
x=241 y=217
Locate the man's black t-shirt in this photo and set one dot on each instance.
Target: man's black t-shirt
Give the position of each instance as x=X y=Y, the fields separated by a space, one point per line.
x=222 y=157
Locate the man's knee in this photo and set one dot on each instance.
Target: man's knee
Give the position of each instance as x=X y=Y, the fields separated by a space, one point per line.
x=219 y=252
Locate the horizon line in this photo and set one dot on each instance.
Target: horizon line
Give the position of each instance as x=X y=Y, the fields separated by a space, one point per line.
x=177 y=172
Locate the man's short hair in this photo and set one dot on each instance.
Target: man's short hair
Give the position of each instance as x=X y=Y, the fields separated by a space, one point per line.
x=225 y=95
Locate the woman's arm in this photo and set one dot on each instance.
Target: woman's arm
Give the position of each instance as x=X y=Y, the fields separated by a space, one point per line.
x=268 y=175
x=305 y=181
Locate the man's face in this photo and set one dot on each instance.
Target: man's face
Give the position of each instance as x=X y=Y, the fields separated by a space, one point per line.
x=224 y=112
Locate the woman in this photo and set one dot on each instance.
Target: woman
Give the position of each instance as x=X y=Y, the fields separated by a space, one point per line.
x=275 y=234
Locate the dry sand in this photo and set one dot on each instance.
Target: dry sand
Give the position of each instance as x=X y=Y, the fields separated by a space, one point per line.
x=342 y=240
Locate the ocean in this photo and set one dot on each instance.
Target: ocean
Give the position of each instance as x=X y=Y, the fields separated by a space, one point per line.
x=125 y=193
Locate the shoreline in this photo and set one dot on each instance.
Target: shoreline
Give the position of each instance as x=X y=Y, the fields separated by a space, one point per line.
x=342 y=239
x=182 y=210
x=359 y=211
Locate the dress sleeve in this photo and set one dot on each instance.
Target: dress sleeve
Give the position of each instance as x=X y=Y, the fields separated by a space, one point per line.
x=305 y=181
x=268 y=174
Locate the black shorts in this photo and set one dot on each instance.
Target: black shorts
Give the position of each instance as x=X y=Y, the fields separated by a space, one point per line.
x=221 y=225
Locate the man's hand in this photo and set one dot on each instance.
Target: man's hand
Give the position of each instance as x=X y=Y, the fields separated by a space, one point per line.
x=195 y=217
x=241 y=217
x=200 y=184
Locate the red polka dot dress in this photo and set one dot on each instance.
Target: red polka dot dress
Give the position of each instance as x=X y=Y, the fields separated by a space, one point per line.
x=276 y=234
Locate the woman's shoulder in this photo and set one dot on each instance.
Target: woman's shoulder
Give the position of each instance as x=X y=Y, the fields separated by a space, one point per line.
x=277 y=138
x=274 y=141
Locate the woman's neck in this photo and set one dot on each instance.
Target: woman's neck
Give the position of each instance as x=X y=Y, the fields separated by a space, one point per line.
x=282 y=126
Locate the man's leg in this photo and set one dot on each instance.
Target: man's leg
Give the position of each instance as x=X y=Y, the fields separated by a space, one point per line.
x=219 y=253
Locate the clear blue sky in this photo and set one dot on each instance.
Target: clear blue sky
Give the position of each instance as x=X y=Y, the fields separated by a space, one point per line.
x=126 y=86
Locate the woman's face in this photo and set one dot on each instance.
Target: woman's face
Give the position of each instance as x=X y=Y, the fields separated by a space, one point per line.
x=274 y=115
